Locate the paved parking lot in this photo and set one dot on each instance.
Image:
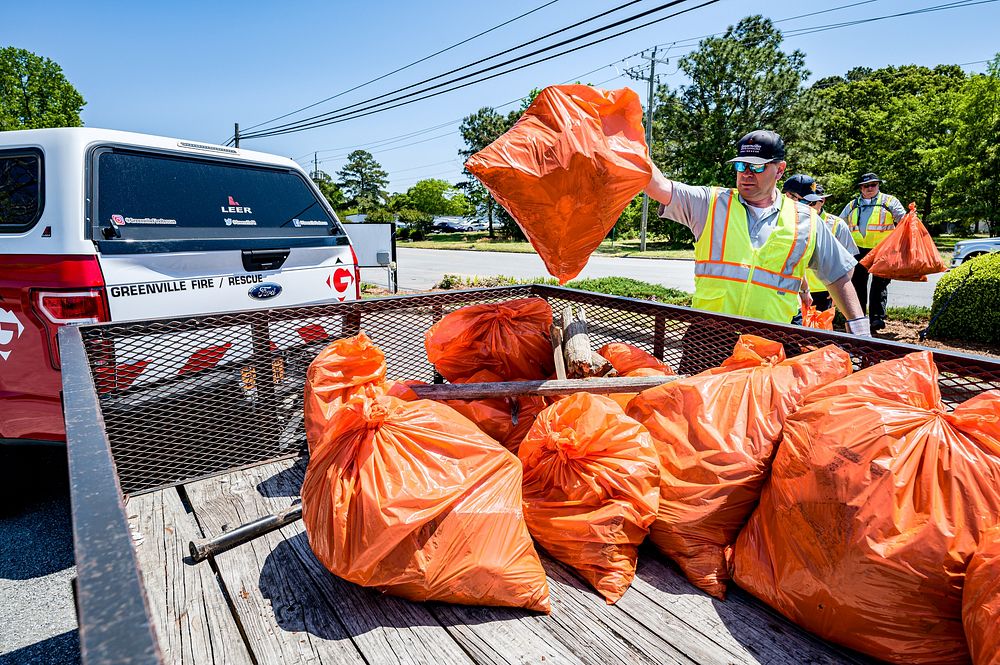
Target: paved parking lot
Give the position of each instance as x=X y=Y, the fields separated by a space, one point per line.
x=37 y=619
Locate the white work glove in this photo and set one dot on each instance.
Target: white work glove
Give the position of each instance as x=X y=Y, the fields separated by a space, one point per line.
x=861 y=327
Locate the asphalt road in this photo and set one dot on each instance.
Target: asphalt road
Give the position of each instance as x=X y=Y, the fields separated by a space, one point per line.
x=421 y=269
x=37 y=617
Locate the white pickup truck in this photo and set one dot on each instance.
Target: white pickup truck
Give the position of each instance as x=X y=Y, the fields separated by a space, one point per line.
x=99 y=225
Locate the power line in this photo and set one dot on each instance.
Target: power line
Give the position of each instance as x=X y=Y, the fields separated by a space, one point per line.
x=346 y=110
x=415 y=62
x=332 y=117
x=477 y=62
x=396 y=147
x=812 y=29
x=380 y=142
x=375 y=144
x=846 y=24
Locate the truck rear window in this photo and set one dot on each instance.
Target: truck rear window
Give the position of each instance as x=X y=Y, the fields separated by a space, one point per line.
x=141 y=196
x=20 y=190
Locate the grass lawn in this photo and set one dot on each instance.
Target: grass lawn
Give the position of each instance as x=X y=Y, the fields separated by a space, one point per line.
x=479 y=241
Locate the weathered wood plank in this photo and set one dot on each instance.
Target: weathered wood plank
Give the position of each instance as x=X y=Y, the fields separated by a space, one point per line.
x=192 y=618
x=598 y=631
x=739 y=626
x=488 y=634
x=596 y=385
x=292 y=609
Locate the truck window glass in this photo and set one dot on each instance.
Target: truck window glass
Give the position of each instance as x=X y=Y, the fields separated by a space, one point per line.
x=20 y=191
x=144 y=196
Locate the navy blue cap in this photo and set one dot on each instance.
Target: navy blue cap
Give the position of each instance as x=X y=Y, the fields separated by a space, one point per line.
x=869 y=177
x=804 y=186
x=760 y=147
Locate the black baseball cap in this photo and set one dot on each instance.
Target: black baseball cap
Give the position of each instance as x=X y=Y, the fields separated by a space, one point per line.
x=804 y=186
x=869 y=177
x=759 y=147
x=820 y=192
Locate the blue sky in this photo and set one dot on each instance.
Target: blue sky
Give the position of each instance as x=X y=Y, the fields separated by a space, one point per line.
x=191 y=70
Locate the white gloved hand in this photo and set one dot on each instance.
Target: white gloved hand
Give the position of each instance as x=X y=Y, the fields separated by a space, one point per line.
x=861 y=327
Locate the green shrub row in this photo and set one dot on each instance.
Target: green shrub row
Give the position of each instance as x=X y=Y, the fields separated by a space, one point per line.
x=614 y=286
x=967 y=302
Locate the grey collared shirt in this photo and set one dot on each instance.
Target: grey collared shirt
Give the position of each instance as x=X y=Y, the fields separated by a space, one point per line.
x=867 y=206
x=842 y=232
x=689 y=206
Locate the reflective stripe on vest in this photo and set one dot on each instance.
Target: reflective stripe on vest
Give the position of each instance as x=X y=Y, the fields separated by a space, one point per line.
x=732 y=277
x=816 y=285
x=880 y=222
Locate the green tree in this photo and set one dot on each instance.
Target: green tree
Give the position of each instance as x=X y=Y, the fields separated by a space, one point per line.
x=34 y=93
x=380 y=215
x=738 y=82
x=434 y=197
x=478 y=131
x=399 y=201
x=329 y=189
x=971 y=183
x=895 y=121
x=363 y=181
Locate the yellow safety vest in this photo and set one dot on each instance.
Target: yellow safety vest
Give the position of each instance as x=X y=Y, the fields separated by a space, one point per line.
x=732 y=277
x=815 y=284
x=880 y=224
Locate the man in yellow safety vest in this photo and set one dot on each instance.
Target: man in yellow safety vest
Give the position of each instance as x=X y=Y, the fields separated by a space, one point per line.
x=871 y=217
x=753 y=246
x=805 y=189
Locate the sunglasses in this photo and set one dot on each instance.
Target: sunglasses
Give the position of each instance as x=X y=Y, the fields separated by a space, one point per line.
x=869 y=185
x=743 y=166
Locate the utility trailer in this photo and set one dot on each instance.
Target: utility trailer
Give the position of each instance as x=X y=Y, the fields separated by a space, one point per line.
x=176 y=458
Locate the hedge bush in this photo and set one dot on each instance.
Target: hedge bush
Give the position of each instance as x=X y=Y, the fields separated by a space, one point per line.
x=632 y=288
x=973 y=313
x=613 y=286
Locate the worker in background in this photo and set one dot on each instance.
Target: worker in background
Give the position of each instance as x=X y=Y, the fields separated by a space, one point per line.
x=871 y=216
x=805 y=189
x=752 y=245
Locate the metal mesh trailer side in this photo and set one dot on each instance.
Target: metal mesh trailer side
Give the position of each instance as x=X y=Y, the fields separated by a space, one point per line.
x=156 y=403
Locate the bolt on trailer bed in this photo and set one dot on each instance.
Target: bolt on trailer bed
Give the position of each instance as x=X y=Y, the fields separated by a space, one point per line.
x=160 y=456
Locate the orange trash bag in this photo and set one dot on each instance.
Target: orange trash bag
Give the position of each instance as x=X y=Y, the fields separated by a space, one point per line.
x=567 y=170
x=876 y=502
x=626 y=358
x=908 y=254
x=716 y=434
x=591 y=486
x=411 y=498
x=507 y=420
x=981 y=601
x=346 y=367
x=813 y=318
x=510 y=339
x=630 y=360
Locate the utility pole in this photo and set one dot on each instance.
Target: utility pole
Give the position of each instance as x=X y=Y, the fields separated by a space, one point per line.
x=315 y=167
x=236 y=134
x=649 y=130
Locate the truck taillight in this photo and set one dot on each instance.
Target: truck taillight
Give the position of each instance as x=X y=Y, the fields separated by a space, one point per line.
x=58 y=308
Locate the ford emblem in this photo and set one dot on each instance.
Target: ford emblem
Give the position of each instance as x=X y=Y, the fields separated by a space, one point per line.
x=264 y=291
